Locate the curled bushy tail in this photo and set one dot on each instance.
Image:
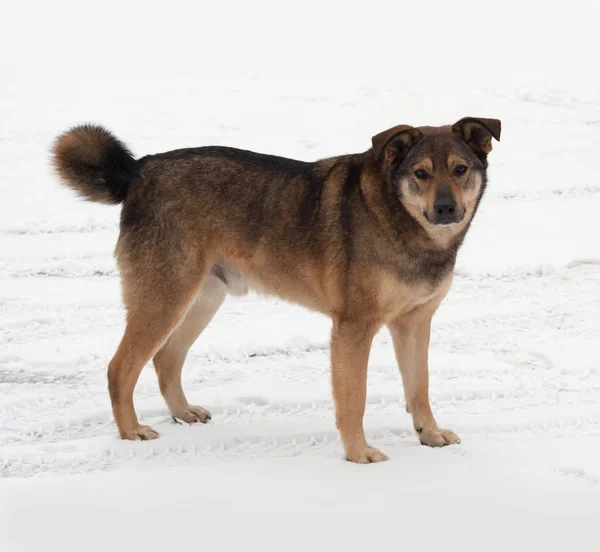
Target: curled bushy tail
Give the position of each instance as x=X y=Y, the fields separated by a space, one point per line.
x=91 y=161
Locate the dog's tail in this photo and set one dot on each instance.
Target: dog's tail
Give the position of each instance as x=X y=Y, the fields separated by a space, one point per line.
x=91 y=161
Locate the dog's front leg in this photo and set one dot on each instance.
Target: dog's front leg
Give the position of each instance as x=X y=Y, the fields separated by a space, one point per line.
x=410 y=335
x=350 y=347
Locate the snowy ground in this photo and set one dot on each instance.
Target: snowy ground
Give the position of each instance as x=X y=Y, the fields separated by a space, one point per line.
x=514 y=359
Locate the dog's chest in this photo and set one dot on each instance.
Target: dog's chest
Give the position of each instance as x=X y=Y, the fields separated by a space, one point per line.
x=397 y=298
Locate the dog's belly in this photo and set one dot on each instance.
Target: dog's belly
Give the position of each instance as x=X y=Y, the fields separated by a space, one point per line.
x=295 y=289
x=394 y=298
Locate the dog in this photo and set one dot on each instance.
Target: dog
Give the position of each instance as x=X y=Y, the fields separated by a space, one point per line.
x=368 y=239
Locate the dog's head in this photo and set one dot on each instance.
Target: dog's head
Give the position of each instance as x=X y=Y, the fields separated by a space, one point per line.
x=438 y=173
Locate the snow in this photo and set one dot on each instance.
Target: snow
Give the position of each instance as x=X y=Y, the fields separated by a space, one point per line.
x=514 y=353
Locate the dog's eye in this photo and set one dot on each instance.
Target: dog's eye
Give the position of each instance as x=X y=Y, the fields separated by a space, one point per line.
x=420 y=174
x=460 y=170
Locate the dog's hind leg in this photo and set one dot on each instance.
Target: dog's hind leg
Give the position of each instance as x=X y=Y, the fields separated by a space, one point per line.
x=170 y=358
x=156 y=301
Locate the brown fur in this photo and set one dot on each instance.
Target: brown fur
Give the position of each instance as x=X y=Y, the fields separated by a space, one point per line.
x=357 y=237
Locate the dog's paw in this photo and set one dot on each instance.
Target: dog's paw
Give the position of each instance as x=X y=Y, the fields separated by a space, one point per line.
x=436 y=437
x=366 y=455
x=140 y=433
x=192 y=414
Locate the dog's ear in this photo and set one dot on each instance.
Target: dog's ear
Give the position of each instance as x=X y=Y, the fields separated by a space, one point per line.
x=392 y=144
x=478 y=133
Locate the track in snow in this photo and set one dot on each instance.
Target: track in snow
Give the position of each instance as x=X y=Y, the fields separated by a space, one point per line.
x=496 y=374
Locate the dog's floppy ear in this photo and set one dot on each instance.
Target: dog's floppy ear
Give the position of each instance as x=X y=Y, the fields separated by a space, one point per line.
x=478 y=133
x=395 y=142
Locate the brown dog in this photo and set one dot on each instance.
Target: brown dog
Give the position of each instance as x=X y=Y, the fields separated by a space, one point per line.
x=369 y=239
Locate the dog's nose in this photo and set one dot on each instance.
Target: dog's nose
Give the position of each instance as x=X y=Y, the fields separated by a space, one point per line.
x=445 y=208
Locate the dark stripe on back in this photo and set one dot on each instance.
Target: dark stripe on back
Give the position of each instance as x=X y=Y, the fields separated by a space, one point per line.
x=311 y=203
x=348 y=194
